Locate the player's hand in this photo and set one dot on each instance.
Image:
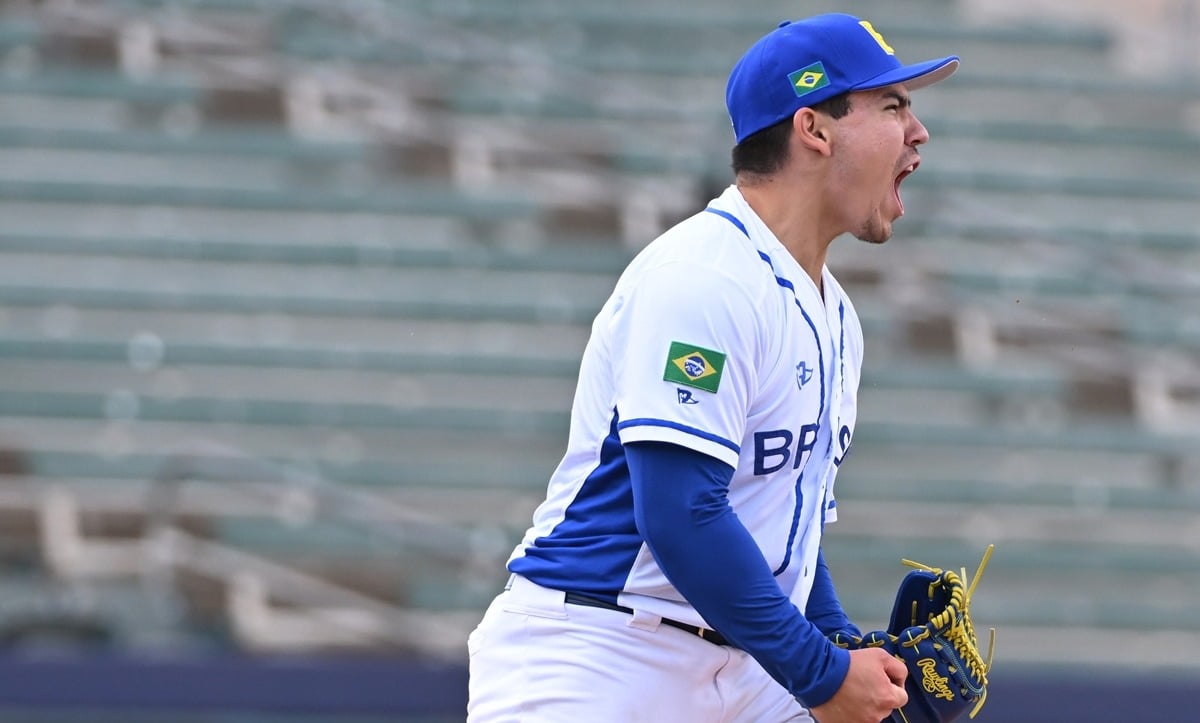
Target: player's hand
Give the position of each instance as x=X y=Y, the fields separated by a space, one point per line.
x=873 y=688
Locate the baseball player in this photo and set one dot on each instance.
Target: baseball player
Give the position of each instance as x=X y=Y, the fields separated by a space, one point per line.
x=674 y=571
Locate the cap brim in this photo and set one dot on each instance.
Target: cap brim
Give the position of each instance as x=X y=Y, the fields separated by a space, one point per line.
x=917 y=75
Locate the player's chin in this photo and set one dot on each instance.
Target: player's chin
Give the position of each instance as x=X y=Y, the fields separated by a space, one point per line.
x=876 y=239
x=877 y=223
x=877 y=231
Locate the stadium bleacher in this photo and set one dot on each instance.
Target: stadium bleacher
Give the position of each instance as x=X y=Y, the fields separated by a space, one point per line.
x=382 y=274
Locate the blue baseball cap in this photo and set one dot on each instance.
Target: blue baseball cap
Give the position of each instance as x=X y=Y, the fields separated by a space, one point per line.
x=804 y=62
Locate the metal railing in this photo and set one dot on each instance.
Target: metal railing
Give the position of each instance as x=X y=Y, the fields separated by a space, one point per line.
x=270 y=604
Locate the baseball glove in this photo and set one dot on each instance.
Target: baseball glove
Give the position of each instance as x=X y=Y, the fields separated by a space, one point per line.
x=931 y=631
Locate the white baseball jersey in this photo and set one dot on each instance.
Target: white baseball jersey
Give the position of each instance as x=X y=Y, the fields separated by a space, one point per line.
x=717 y=340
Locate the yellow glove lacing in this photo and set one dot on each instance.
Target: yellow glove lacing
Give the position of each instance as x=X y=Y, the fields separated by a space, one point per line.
x=954 y=622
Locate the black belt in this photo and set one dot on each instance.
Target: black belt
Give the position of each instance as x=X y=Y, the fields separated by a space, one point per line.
x=711 y=636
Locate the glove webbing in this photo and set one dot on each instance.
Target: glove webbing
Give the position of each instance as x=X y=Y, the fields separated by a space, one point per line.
x=954 y=622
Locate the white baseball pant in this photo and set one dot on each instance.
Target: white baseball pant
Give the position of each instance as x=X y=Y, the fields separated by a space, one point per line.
x=536 y=659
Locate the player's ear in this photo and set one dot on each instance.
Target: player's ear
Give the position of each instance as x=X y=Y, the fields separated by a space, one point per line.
x=812 y=130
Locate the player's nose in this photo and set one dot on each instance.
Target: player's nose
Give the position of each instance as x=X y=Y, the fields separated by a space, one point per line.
x=917 y=133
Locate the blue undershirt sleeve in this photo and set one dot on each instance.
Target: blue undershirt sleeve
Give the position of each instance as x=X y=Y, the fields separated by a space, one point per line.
x=824 y=609
x=682 y=511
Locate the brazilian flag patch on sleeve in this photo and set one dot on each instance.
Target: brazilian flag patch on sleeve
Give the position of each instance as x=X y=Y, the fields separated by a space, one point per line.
x=694 y=366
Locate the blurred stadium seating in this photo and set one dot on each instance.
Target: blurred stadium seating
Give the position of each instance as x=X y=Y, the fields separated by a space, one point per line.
x=292 y=295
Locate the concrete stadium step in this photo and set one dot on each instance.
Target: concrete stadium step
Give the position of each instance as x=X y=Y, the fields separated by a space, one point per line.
x=159 y=91
x=1133 y=189
x=431 y=484
x=965 y=154
x=1049 y=232
x=990 y=95
x=211 y=493
x=68 y=115
x=147 y=339
x=151 y=340
x=267 y=143
x=1086 y=496
x=435 y=224
x=437 y=246
x=210 y=170
x=1013 y=208
x=394 y=199
x=288 y=412
x=1169 y=532
x=30 y=279
x=230 y=385
x=1027 y=455
x=424 y=456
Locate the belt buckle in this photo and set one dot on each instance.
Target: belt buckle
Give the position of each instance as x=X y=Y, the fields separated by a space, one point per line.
x=700 y=632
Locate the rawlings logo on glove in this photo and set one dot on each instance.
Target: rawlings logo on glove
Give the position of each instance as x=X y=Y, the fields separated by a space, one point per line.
x=932 y=632
x=931 y=681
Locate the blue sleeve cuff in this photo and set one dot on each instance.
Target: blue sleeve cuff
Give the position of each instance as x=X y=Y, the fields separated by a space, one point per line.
x=824 y=687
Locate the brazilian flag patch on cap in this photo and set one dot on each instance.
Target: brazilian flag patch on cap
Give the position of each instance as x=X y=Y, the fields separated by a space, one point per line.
x=694 y=366
x=809 y=79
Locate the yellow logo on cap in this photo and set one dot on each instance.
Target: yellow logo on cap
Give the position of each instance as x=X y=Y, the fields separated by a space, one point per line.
x=878 y=38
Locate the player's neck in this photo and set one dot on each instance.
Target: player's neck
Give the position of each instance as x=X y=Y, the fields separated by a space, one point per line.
x=796 y=220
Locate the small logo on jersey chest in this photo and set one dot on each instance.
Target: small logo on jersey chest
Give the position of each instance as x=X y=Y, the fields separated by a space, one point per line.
x=686 y=397
x=804 y=374
x=694 y=366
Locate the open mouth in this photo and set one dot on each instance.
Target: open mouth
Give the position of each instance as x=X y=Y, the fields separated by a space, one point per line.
x=904 y=173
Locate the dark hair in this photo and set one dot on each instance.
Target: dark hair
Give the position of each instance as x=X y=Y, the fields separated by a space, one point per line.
x=765 y=152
